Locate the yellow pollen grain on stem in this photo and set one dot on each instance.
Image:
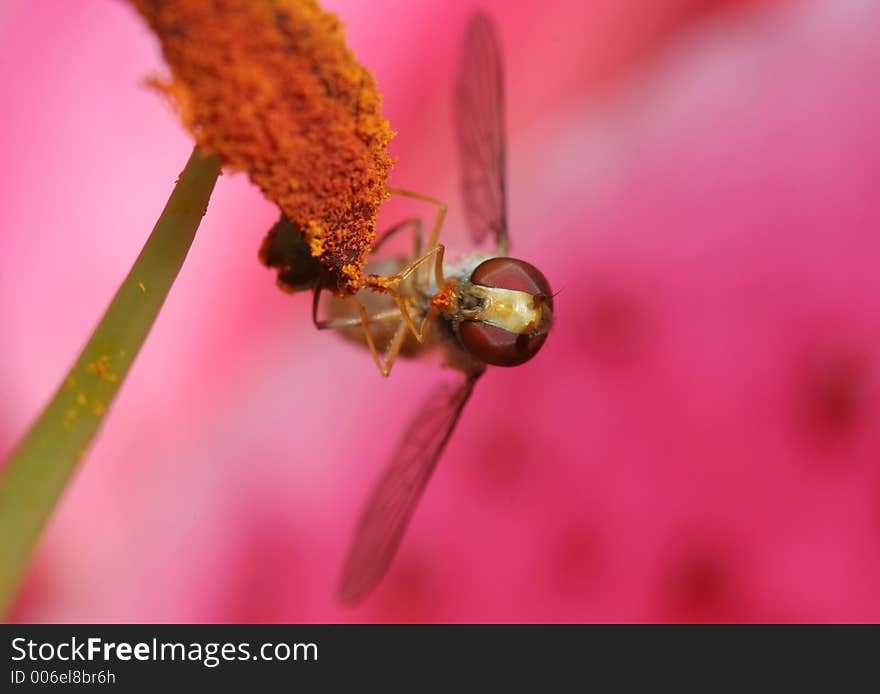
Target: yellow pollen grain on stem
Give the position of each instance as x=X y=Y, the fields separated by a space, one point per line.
x=71 y=416
x=102 y=368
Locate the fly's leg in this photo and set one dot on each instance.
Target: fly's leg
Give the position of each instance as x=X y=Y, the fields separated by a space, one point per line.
x=420 y=266
x=438 y=222
x=362 y=318
x=437 y=251
x=351 y=322
x=393 y=349
x=415 y=222
x=386 y=361
x=388 y=285
x=383 y=362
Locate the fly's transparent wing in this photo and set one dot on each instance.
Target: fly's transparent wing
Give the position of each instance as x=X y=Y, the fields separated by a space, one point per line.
x=479 y=121
x=393 y=500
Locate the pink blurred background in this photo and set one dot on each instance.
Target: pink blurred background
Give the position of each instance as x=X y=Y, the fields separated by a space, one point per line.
x=698 y=440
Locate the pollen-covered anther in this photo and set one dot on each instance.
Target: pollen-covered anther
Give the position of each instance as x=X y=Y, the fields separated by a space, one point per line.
x=271 y=87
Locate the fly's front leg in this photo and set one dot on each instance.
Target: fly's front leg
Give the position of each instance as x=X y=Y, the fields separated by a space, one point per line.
x=388 y=285
x=351 y=321
x=383 y=362
x=438 y=252
x=415 y=223
x=393 y=348
x=438 y=220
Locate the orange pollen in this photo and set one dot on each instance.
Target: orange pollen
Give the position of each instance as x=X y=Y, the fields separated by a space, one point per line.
x=446 y=299
x=271 y=87
x=381 y=283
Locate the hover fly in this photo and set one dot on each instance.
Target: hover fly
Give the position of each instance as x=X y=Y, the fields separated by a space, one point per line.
x=486 y=309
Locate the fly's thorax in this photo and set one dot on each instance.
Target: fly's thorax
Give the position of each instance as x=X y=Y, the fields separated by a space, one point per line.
x=463 y=267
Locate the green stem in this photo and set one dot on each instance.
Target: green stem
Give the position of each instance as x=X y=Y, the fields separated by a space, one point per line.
x=36 y=474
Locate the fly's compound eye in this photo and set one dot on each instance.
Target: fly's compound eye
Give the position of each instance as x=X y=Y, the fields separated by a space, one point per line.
x=517 y=313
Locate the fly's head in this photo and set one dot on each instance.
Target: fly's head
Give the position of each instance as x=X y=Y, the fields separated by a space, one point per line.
x=505 y=312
